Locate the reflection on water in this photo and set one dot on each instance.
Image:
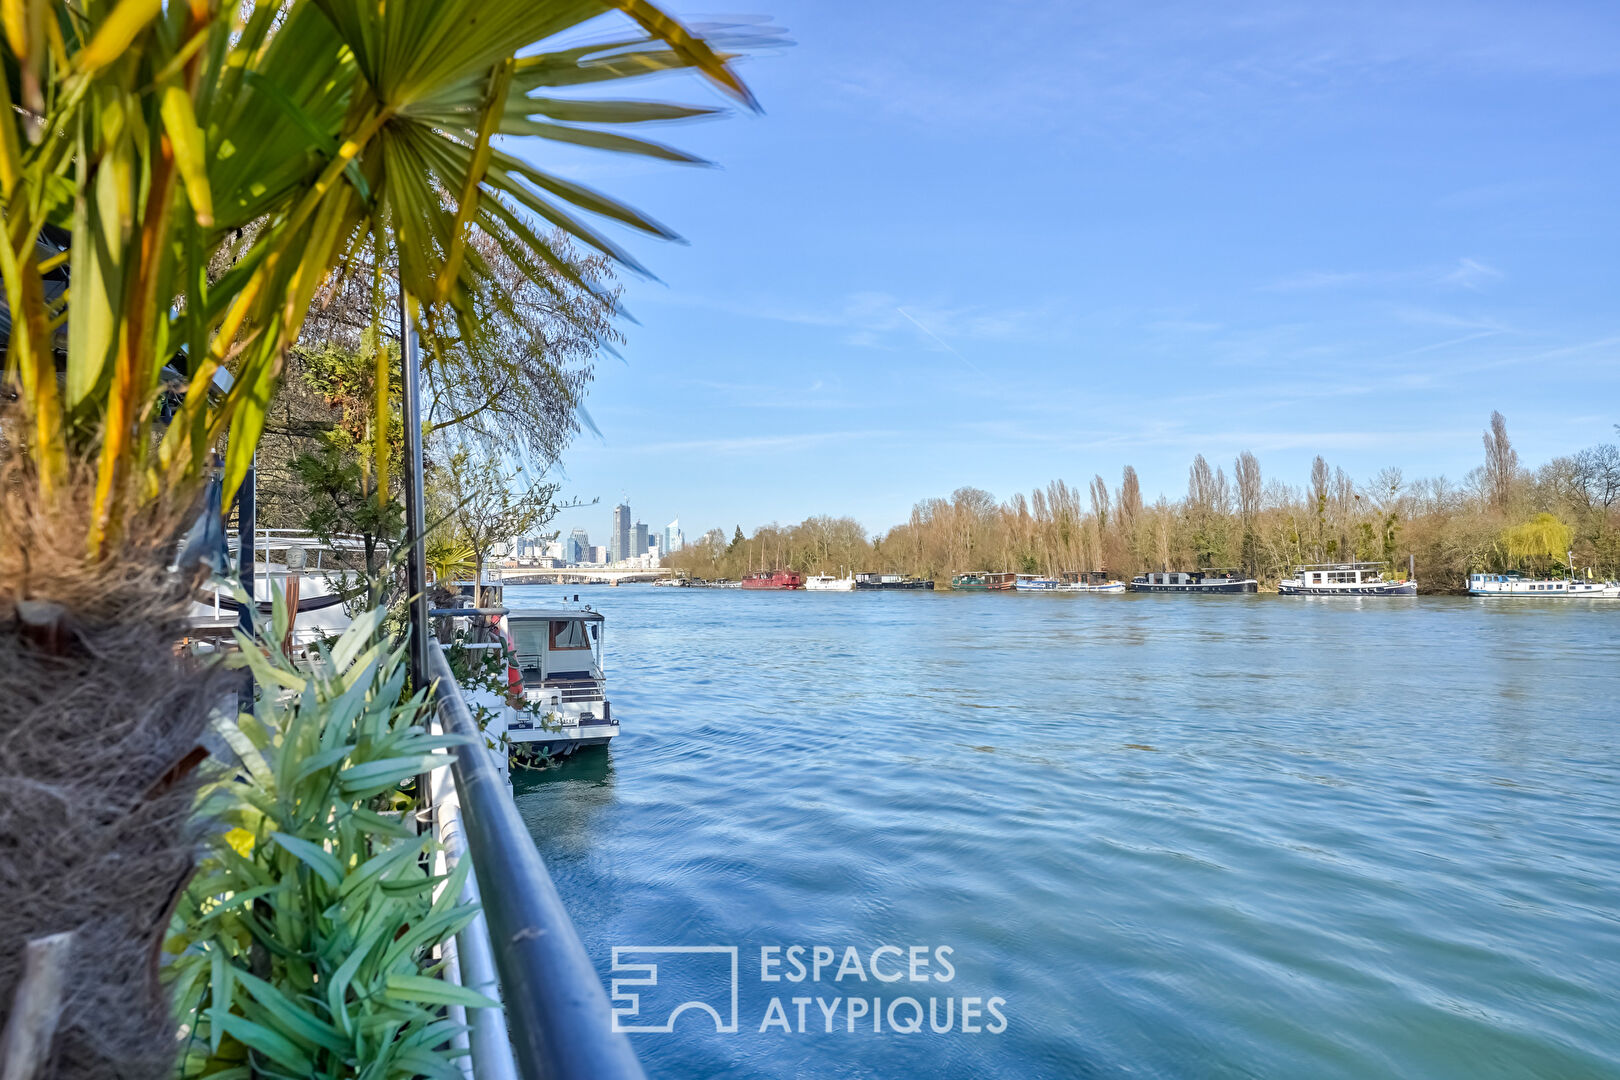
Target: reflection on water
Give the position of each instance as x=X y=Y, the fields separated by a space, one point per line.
x=1181 y=837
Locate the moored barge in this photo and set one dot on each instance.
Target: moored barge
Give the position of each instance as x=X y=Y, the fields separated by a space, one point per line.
x=1514 y=584
x=1345 y=579
x=1035 y=583
x=983 y=581
x=1194 y=581
x=1089 y=581
x=891 y=581
x=774 y=579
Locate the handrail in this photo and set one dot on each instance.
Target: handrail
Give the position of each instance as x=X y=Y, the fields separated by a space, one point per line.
x=469 y=958
x=556 y=1010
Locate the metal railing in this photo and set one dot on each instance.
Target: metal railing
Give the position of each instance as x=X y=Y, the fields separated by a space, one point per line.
x=556 y=1010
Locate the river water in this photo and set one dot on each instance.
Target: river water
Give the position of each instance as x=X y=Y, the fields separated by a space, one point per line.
x=1244 y=836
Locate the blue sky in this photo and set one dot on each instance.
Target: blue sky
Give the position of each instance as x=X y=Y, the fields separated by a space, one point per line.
x=998 y=244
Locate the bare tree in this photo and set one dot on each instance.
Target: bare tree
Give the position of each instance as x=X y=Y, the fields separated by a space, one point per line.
x=1130 y=497
x=1246 y=471
x=1319 y=501
x=1099 y=501
x=1201 y=485
x=1501 y=462
x=476 y=500
x=1597 y=475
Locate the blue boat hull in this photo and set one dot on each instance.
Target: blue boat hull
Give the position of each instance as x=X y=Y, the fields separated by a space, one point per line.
x=1223 y=587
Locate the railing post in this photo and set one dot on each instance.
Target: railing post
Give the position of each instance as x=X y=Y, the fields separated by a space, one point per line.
x=415 y=515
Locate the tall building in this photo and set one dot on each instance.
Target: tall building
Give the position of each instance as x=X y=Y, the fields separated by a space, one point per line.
x=638 y=541
x=674 y=539
x=577 y=548
x=619 y=543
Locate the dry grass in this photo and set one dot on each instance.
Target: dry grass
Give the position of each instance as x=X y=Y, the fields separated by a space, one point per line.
x=99 y=719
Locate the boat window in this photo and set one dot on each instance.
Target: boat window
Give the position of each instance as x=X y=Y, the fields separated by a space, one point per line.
x=528 y=641
x=568 y=634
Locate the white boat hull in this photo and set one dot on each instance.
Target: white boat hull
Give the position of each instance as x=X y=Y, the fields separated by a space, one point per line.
x=1365 y=588
x=1548 y=590
x=830 y=585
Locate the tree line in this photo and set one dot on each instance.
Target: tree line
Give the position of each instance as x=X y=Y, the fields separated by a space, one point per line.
x=1502 y=515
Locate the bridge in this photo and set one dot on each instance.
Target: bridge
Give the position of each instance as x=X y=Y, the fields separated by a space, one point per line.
x=580 y=575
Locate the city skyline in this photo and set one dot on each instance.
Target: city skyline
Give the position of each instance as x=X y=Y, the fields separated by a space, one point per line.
x=1296 y=231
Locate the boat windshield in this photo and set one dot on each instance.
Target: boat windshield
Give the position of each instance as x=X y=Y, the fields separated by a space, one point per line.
x=568 y=634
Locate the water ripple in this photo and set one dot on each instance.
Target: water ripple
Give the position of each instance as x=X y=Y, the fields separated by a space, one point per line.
x=1262 y=837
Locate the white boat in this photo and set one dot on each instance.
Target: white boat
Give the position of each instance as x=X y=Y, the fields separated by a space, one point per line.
x=559 y=658
x=828 y=583
x=315 y=576
x=1516 y=584
x=1091 y=581
x=1345 y=579
x=1035 y=583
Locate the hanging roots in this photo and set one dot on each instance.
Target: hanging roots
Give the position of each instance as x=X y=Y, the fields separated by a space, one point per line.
x=100 y=719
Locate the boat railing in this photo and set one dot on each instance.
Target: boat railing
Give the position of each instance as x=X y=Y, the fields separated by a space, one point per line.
x=576 y=693
x=556 y=1016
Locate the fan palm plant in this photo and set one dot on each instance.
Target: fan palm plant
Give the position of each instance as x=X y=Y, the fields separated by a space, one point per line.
x=176 y=181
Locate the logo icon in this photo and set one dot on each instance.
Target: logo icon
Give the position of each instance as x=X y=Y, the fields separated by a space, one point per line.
x=709 y=969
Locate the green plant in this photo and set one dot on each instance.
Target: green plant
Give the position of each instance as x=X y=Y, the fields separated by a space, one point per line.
x=304 y=945
x=1543 y=541
x=177 y=181
x=202 y=168
x=447 y=558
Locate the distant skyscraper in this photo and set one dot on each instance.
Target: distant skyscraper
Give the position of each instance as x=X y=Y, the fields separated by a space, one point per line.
x=638 y=542
x=674 y=539
x=578 y=547
x=619 y=543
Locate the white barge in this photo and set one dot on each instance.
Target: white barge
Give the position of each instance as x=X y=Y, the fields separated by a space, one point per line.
x=1345 y=579
x=828 y=583
x=1089 y=581
x=1516 y=584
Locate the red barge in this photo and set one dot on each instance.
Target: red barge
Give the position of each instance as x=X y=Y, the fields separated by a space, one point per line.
x=774 y=579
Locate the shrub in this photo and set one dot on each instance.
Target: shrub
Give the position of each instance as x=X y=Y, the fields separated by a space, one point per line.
x=304 y=945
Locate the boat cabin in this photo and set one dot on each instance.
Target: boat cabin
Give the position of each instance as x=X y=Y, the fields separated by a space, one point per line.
x=560 y=648
x=1175 y=577
x=1342 y=573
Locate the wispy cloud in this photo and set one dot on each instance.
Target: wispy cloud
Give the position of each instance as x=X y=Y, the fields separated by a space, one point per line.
x=755 y=444
x=936 y=339
x=1467 y=273
x=1193 y=74
x=874 y=319
x=1471 y=274
x=820 y=393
